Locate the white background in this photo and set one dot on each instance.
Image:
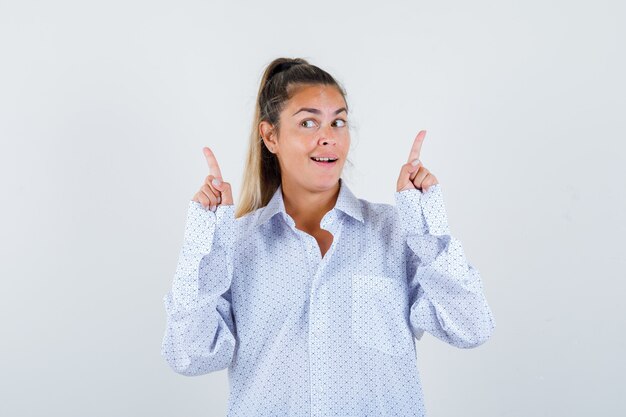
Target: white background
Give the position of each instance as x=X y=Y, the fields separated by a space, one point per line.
x=105 y=108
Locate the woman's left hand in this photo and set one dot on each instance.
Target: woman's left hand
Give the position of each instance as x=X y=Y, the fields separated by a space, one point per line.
x=416 y=176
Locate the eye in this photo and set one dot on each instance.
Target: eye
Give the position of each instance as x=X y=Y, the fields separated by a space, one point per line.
x=305 y=121
x=342 y=122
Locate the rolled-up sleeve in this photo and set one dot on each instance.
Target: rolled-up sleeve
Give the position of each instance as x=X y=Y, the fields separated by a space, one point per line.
x=446 y=291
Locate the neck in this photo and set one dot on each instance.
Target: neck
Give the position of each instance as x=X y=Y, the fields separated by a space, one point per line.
x=307 y=207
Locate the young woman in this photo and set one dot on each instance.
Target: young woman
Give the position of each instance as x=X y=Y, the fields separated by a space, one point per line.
x=311 y=296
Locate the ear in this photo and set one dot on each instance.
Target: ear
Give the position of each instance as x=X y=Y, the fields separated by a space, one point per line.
x=267 y=132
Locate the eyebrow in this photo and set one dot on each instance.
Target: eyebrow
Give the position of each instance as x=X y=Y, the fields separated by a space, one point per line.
x=316 y=111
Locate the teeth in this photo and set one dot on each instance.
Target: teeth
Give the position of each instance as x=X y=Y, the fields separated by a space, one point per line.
x=324 y=159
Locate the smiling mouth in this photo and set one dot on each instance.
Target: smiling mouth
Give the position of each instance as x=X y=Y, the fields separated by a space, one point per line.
x=328 y=165
x=327 y=161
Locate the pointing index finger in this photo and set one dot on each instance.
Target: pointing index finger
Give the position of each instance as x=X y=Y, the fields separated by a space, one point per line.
x=214 y=168
x=417 y=146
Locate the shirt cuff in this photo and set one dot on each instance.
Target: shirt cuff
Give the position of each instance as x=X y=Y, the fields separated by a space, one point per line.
x=422 y=212
x=205 y=227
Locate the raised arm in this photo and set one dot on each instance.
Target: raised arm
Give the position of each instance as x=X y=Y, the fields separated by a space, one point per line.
x=446 y=292
x=200 y=334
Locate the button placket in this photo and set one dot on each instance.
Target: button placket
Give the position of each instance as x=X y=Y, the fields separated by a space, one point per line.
x=316 y=343
x=313 y=249
x=318 y=324
x=316 y=305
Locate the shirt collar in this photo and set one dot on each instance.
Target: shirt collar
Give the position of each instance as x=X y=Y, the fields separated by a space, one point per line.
x=346 y=202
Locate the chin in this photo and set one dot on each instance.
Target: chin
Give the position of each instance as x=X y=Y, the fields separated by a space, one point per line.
x=326 y=182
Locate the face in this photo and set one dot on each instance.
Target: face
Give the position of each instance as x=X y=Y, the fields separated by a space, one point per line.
x=313 y=123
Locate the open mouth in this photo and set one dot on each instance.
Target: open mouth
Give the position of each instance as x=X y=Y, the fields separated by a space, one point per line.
x=324 y=161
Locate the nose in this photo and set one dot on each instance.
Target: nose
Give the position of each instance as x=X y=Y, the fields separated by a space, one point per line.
x=326 y=138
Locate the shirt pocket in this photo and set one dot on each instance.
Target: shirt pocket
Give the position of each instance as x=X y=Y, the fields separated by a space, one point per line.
x=378 y=315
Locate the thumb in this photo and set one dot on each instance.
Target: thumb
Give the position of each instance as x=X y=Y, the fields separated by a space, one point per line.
x=405 y=181
x=225 y=191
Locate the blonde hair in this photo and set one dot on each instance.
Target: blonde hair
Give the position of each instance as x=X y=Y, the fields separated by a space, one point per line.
x=279 y=82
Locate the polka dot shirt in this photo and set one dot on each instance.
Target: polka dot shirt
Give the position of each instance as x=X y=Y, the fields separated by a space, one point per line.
x=309 y=335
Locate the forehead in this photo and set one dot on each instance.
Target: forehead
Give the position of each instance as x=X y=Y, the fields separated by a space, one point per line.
x=319 y=96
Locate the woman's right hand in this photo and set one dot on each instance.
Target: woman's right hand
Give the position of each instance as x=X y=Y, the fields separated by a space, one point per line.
x=214 y=191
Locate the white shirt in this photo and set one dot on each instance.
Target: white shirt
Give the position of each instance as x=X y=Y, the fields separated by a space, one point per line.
x=306 y=335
